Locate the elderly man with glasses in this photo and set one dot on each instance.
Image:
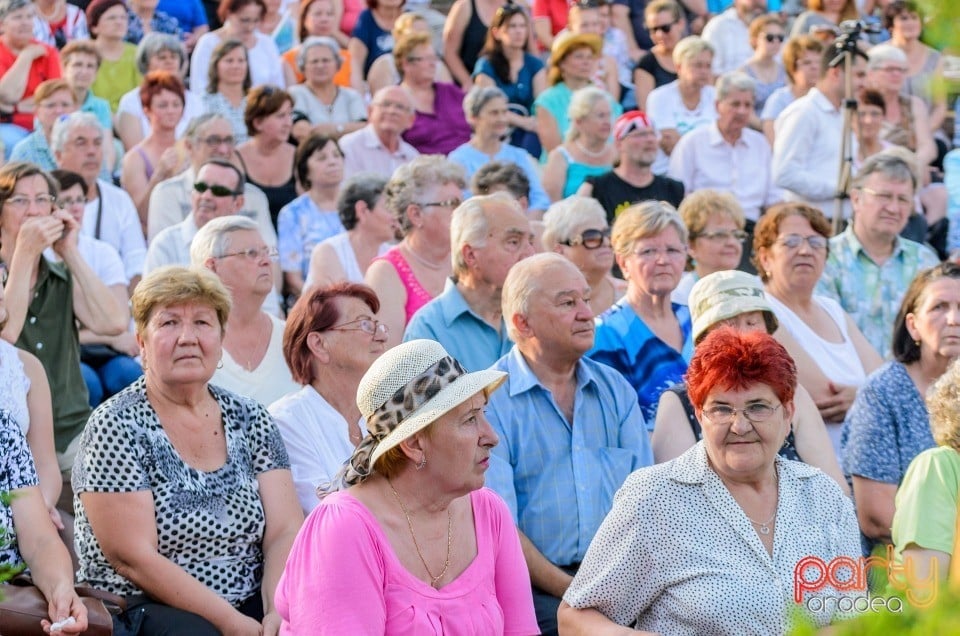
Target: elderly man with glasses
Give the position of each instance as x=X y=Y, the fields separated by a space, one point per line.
x=209 y=136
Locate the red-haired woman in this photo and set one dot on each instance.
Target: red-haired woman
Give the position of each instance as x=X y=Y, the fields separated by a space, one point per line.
x=689 y=544
x=321 y=423
x=156 y=157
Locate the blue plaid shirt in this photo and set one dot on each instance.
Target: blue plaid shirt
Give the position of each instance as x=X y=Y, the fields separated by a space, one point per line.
x=35 y=149
x=872 y=293
x=558 y=478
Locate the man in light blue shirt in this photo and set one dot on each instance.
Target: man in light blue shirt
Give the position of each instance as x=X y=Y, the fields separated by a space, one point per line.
x=570 y=428
x=488 y=235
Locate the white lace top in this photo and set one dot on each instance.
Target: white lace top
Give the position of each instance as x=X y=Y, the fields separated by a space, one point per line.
x=14 y=385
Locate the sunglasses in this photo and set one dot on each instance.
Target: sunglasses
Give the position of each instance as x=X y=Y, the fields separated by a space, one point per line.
x=590 y=239
x=665 y=28
x=215 y=190
x=774 y=37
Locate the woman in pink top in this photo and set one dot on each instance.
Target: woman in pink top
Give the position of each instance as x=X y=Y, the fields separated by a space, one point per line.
x=415 y=544
x=422 y=194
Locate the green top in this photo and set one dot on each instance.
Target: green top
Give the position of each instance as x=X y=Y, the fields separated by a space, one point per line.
x=115 y=78
x=50 y=333
x=927 y=502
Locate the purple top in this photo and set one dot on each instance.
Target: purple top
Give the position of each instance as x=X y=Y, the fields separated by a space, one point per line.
x=443 y=130
x=343 y=577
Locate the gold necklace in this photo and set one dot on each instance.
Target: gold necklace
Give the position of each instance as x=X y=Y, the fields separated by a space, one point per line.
x=446 y=563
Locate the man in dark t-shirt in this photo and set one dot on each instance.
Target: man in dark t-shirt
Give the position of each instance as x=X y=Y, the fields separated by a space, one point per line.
x=632 y=180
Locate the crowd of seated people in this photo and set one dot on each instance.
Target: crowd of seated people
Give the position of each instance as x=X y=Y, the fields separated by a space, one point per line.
x=347 y=259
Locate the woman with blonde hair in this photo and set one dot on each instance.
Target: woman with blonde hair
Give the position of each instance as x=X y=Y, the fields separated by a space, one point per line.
x=644 y=335
x=715 y=221
x=385 y=70
x=586 y=151
x=801 y=62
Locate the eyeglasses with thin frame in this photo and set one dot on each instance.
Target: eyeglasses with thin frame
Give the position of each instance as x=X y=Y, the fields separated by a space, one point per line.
x=663 y=28
x=215 y=189
x=67 y=202
x=651 y=254
x=756 y=413
x=449 y=203
x=213 y=141
x=368 y=326
x=590 y=239
x=256 y=253
x=416 y=59
x=722 y=235
x=888 y=198
x=22 y=202
x=774 y=37
x=794 y=241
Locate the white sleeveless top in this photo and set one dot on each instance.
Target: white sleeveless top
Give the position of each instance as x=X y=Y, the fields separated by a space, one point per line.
x=14 y=385
x=348 y=258
x=838 y=361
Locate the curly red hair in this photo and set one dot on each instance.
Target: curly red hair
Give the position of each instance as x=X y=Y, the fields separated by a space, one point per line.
x=728 y=359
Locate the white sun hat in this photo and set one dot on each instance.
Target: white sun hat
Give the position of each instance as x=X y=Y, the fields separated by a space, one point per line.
x=412 y=385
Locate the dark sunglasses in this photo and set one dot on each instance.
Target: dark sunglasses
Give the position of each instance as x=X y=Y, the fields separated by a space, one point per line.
x=590 y=239
x=774 y=37
x=662 y=27
x=507 y=11
x=215 y=190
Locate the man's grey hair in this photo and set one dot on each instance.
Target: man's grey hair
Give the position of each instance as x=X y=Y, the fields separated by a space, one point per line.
x=893 y=165
x=213 y=239
x=65 y=125
x=734 y=82
x=522 y=282
x=469 y=225
x=566 y=215
x=193 y=127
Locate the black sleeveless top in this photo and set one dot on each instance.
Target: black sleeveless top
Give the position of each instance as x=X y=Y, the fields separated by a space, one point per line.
x=474 y=37
x=788 y=451
x=277 y=196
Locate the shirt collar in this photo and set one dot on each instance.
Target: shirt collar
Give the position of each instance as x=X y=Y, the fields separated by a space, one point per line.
x=453 y=304
x=523 y=379
x=821 y=101
x=857 y=247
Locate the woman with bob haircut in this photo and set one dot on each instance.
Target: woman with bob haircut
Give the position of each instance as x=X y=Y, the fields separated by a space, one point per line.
x=184 y=499
x=408 y=527
x=331 y=339
x=688 y=546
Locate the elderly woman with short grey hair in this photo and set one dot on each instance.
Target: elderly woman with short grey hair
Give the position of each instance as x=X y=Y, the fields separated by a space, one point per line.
x=586 y=151
x=422 y=195
x=370 y=227
x=252 y=363
x=645 y=336
x=577 y=229
x=156 y=52
x=486 y=109
x=906 y=121
x=319 y=105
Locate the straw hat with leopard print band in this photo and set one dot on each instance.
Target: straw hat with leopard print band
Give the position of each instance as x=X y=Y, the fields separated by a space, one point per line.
x=404 y=391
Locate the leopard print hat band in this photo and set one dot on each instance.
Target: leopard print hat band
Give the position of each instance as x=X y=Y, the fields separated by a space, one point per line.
x=404 y=391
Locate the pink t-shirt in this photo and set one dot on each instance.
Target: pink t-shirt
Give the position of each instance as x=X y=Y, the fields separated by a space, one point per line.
x=343 y=577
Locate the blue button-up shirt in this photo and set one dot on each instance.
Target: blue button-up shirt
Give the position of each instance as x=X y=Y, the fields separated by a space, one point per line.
x=558 y=478
x=466 y=336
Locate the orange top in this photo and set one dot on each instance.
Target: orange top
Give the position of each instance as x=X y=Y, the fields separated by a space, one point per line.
x=342 y=78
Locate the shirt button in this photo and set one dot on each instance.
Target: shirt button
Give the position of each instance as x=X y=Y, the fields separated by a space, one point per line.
x=39 y=346
x=33 y=320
